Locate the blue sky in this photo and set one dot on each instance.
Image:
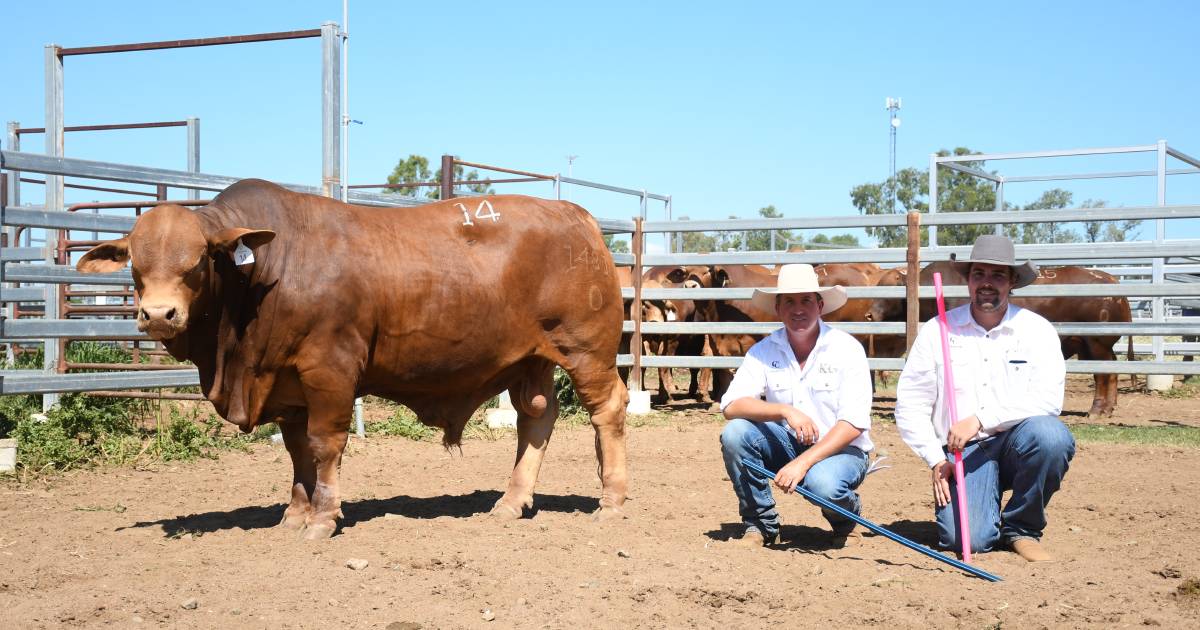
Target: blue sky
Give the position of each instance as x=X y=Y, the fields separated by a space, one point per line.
x=725 y=107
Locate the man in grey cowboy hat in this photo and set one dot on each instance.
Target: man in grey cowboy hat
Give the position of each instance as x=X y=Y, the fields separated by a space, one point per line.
x=1008 y=385
x=800 y=404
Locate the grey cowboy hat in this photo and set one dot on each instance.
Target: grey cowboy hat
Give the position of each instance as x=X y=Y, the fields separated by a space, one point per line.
x=799 y=278
x=998 y=250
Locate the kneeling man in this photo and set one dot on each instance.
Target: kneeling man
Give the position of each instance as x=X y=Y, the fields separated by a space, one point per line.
x=800 y=404
x=1008 y=384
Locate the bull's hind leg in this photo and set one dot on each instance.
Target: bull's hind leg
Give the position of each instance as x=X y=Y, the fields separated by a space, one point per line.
x=605 y=397
x=304 y=472
x=537 y=408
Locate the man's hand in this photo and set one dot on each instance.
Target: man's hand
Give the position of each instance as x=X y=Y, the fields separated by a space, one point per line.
x=806 y=430
x=962 y=432
x=940 y=474
x=792 y=474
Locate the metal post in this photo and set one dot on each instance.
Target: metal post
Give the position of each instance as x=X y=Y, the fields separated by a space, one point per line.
x=193 y=152
x=1160 y=234
x=912 y=279
x=12 y=196
x=331 y=110
x=635 y=309
x=670 y=235
x=1000 y=204
x=558 y=186
x=54 y=194
x=447 y=177
x=933 y=196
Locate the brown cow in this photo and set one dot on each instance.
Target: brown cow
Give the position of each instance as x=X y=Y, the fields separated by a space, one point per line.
x=291 y=305
x=652 y=311
x=680 y=310
x=1069 y=309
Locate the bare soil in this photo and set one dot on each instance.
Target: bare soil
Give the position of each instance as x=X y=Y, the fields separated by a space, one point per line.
x=128 y=548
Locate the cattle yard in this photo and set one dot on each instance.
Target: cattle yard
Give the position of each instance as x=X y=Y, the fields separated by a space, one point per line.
x=165 y=544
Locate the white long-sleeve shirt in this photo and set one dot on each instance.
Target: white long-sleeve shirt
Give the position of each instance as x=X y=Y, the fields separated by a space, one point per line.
x=1002 y=376
x=834 y=384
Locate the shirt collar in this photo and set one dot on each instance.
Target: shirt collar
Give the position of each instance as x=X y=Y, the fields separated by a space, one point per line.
x=961 y=316
x=780 y=339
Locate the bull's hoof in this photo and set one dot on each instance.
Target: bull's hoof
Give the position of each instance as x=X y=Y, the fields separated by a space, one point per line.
x=1099 y=414
x=505 y=512
x=292 y=522
x=319 y=531
x=608 y=513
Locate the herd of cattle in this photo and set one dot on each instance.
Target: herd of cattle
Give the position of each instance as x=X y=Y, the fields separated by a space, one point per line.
x=706 y=387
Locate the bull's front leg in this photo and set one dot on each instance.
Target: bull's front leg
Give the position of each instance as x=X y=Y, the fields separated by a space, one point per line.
x=304 y=473
x=329 y=410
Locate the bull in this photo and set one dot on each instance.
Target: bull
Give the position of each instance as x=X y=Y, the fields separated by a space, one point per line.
x=291 y=305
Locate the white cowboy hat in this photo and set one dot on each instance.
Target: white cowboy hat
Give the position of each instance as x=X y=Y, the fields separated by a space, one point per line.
x=800 y=279
x=996 y=249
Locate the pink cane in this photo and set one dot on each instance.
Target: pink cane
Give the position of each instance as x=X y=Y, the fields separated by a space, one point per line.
x=959 y=476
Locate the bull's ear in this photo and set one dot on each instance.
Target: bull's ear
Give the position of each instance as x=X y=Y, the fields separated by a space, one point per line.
x=105 y=257
x=226 y=240
x=677 y=275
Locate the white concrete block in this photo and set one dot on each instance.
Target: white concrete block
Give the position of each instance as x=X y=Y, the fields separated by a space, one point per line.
x=639 y=402
x=1160 y=382
x=8 y=455
x=501 y=418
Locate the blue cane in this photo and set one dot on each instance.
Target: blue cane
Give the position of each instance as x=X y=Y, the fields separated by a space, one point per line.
x=877 y=529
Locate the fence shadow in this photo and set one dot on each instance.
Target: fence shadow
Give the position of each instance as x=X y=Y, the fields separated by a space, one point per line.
x=356 y=512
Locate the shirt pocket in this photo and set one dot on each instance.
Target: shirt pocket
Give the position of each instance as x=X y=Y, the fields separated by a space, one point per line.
x=1018 y=374
x=779 y=386
x=825 y=395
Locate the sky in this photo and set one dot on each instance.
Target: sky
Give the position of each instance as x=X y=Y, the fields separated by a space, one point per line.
x=726 y=107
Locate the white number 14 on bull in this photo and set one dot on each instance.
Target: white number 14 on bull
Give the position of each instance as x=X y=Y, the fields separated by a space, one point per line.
x=479 y=214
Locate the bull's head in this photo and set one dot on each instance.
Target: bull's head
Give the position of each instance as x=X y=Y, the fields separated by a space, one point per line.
x=171 y=252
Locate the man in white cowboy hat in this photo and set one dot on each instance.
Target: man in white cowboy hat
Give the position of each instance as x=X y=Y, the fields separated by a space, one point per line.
x=800 y=404
x=1008 y=381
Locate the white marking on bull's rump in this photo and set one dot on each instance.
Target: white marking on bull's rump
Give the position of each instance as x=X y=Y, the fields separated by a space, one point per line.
x=479 y=214
x=242 y=255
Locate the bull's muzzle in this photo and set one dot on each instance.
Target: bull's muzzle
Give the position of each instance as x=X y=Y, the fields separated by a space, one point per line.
x=161 y=322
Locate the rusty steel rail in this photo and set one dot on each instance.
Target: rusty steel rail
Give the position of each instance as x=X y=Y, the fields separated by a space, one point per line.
x=464 y=182
x=500 y=169
x=111 y=127
x=190 y=43
x=29 y=180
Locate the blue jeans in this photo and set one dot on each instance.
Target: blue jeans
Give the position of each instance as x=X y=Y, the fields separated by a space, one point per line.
x=772 y=445
x=1030 y=459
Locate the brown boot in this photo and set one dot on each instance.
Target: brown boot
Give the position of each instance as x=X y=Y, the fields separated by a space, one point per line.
x=752 y=539
x=846 y=541
x=1030 y=549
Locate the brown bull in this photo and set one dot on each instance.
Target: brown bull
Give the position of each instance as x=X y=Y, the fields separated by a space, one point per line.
x=291 y=305
x=1054 y=309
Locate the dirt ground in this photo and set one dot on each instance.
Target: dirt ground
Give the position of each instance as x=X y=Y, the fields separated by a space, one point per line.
x=128 y=548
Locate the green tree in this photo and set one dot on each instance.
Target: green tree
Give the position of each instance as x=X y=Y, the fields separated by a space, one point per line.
x=962 y=192
x=841 y=240
x=1112 y=231
x=695 y=242
x=760 y=240
x=415 y=169
x=957 y=192
x=614 y=246
x=1052 y=232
